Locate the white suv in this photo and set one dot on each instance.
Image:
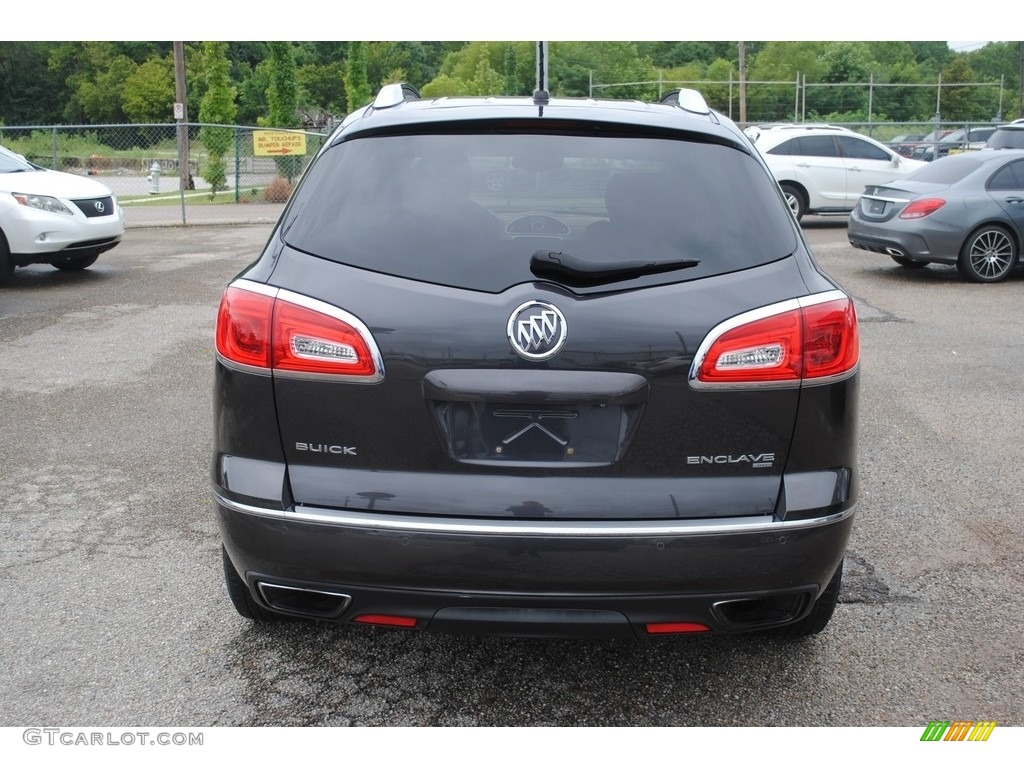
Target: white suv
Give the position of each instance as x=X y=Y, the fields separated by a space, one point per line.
x=823 y=169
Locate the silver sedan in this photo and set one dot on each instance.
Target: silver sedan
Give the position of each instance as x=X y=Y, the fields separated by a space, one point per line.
x=965 y=209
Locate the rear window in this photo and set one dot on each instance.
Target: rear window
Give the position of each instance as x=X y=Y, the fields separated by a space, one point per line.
x=949 y=171
x=469 y=210
x=1006 y=138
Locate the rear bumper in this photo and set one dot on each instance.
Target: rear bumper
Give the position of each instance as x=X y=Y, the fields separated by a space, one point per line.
x=906 y=246
x=544 y=578
x=938 y=244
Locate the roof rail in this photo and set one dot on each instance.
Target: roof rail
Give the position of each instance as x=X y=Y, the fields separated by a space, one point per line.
x=688 y=99
x=394 y=94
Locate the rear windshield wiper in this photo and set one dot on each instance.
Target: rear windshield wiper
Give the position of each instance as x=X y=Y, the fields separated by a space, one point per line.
x=579 y=271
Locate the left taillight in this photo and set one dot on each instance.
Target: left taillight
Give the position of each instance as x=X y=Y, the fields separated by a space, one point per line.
x=812 y=340
x=268 y=329
x=921 y=208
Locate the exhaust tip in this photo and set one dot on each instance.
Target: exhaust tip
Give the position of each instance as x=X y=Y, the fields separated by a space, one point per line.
x=895 y=252
x=302 y=601
x=755 y=612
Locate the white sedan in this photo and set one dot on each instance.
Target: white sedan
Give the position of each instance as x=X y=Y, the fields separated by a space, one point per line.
x=49 y=217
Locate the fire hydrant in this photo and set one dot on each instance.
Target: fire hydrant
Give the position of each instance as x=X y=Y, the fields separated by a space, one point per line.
x=154 y=178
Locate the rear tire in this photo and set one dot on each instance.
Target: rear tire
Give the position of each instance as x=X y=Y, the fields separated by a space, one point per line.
x=795 y=200
x=820 y=614
x=988 y=255
x=241 y=598
x=75 y=263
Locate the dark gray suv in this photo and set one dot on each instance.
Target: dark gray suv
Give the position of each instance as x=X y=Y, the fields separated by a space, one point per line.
x=543 y=366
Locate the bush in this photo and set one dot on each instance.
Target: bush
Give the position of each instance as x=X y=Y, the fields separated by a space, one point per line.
x=277 y=191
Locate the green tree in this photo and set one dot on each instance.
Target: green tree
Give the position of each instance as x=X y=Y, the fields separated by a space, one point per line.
x=282 y=95
x=147 y=95
x=999 y=63
x=723 y=95
x=574 y=64
x=282 y=100
x=94 y=75
x=416 y=63
x=30 y=91
x=471 y=70
x=486 y=80
x=773 y=75
x=667 y=55
x=845 y=62
x=510 y=67
x=357 y=87
x=217 y=108
x=968 y=103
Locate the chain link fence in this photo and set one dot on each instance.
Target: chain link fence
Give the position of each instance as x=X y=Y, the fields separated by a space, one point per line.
x=177 y=174
x=877 y=109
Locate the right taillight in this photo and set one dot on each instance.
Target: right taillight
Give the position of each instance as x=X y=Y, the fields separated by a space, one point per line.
x=263 y=328
x=810 y=340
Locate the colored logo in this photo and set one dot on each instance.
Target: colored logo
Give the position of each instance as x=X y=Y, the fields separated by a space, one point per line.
x=958 y=730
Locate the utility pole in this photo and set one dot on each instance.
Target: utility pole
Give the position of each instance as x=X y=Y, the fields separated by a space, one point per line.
x=743 y=83
x=1020 y=83
x=181 y=117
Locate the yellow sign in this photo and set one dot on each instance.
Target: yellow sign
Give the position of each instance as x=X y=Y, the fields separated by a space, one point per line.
x=278 y=143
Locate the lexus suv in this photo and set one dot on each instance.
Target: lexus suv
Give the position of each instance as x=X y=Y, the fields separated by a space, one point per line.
x=536 y=367
x=51 y=217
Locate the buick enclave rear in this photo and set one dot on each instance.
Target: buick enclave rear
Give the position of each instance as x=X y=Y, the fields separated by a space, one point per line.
x=546 y=367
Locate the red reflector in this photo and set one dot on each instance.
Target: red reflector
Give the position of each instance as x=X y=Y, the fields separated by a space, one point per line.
x=243 y=327
x=921 y=208
x=676 y=628
x=385 y=621
x=831 y=339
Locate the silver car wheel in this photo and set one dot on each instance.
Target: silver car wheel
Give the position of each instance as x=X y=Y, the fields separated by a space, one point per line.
x=795 y=200
x=988 y=255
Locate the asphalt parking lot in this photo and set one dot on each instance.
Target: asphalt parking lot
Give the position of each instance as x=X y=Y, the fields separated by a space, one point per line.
x=111 y=594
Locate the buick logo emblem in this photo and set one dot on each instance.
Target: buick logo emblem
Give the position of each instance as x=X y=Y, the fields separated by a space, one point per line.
x=99 y=206
x=536 y=330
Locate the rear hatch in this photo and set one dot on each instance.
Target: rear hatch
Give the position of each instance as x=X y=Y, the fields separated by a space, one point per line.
x=534 y=303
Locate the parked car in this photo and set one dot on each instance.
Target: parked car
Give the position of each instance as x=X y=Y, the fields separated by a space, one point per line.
x=904 y=143
x=964 y=209
x=823 y=170
x=50 y=217
x=1009 y=136
x=956 y=141
x=929 y=140
x=603 y=399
